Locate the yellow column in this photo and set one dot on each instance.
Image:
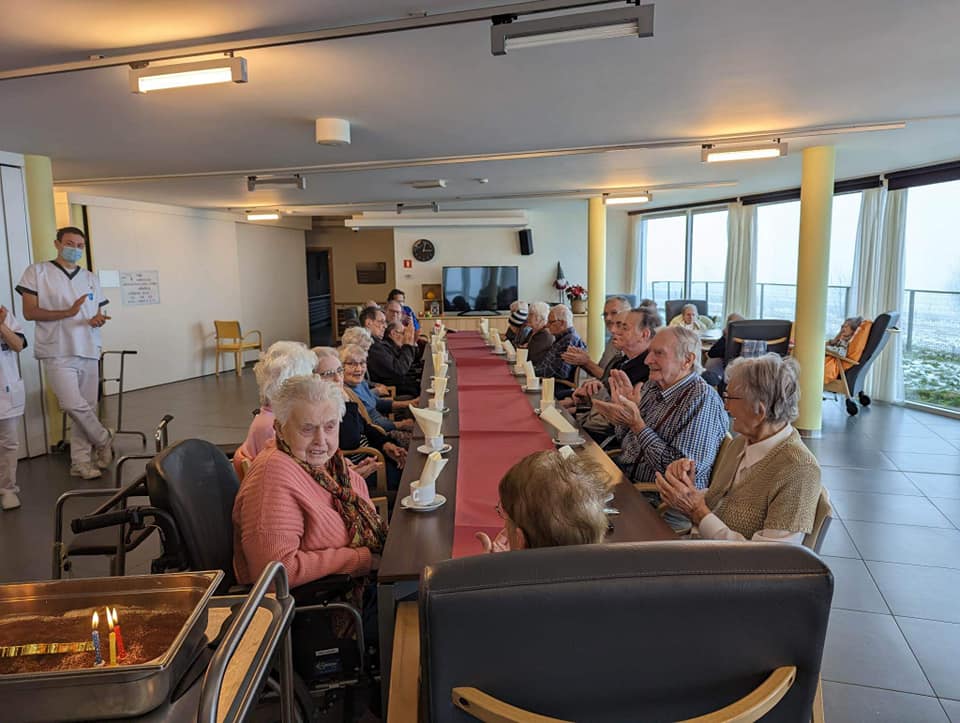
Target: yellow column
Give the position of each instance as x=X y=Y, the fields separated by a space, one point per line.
x=816 y=210
x=41 y=211
x=596 y=274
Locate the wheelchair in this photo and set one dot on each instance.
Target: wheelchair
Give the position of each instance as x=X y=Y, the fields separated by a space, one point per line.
x=191 y=487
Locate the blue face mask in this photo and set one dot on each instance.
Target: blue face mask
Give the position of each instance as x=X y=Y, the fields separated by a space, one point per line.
x=72 y=254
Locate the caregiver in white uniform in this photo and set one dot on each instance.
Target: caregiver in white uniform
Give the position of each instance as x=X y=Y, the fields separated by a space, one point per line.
x=67 y=303
x=12 y=397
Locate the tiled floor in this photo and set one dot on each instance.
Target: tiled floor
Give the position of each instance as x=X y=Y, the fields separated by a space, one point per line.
x=894 y=476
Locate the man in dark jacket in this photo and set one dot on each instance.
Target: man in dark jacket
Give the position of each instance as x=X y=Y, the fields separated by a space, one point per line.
x=389 y=363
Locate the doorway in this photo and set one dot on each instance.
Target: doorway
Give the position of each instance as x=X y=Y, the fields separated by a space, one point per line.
x=320 y=296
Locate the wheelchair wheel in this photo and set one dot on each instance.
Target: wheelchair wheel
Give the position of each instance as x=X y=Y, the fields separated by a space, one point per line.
x=864 y=399
x=852 y=408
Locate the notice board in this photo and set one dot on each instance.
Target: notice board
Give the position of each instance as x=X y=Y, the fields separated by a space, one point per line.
x=140 y=288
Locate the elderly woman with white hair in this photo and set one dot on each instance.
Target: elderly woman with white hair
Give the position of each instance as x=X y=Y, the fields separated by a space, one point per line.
x=353 y=359
x=300 y=503
x=282 y=360
x=766 y=486
x=689 y=318
x=540 y=339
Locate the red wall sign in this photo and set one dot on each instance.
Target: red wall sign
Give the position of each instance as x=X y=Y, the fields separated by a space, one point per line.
x=408 y=263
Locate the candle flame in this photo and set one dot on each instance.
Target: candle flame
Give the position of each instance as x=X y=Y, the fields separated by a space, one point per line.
x=116 y=620
x=109 y=619
x=96 y=621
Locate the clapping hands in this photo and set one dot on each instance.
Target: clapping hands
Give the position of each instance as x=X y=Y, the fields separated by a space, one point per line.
x=678 y=489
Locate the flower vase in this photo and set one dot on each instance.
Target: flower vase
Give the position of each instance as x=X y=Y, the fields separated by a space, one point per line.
x=579 y=306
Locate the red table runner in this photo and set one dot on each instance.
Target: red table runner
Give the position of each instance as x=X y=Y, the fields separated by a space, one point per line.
x=497 y=429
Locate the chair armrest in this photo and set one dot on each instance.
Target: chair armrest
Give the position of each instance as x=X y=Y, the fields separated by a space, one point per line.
x=486 y=708
x=405 y=668
x=391 y=392
x=755 y=704
x=254 y=331
x=645 y=486
x=326 y=589
x=381 y=489
x=612 y=452
x=565 y=383
x=841 y=357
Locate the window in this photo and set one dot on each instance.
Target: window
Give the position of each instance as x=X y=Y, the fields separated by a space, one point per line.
x=931 y=304
x=669 y=242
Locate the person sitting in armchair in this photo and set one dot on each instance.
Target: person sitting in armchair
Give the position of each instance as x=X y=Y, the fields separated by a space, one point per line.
x=846 y=348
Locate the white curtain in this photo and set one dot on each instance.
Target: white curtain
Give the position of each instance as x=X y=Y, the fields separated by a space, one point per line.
x=636 y=268
x=741 y=275
x=863 y=298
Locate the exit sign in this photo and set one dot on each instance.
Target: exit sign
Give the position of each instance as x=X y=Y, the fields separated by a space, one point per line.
x=408 y=263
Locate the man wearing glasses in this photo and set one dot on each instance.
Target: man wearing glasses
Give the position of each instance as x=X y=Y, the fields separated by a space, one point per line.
x=393 y=364
x=565 y=337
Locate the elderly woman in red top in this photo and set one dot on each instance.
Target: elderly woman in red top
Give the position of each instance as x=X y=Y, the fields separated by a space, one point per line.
x=300 y=503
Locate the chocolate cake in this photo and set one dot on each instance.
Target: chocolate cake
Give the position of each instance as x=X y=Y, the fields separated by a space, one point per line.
x=146 y=635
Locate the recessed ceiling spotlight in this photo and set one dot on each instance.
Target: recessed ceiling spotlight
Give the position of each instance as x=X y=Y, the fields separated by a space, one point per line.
x=711 y=154
x=482 y=180
x=432 y=183
x=145 y=78
x=332 y=132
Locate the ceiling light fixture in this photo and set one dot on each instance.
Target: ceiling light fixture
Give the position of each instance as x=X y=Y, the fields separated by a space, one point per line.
x=506 y=34
x=711 y=154
x=610 y=199
x=432 y=206
x=434 y=183
x=263 y=216
x=332 y=132
x=295 y=180
x=145 y=78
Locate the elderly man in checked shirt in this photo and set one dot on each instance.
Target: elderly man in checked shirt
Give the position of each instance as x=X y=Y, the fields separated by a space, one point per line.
x=674 y=415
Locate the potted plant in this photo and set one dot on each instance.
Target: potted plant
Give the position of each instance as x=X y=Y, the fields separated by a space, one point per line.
x=578 y=298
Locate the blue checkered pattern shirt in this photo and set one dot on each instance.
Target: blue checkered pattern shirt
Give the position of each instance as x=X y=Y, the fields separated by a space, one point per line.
x=685 y=421
x=552 y=365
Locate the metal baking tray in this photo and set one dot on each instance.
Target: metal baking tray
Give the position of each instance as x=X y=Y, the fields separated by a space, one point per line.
x=107 y=692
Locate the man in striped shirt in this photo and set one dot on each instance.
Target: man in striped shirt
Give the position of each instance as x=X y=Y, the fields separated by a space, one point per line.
x=674 y=415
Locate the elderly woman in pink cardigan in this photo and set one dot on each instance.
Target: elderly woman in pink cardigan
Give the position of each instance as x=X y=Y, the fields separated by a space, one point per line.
x=300 y=503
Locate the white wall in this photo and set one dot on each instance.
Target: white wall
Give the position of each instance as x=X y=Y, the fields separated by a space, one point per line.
x=559 y=234
x=269 y=255
x=211 y=267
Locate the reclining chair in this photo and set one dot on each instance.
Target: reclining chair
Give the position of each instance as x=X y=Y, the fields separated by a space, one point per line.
x=674 y=307
x=850 y=381
x=637 y=631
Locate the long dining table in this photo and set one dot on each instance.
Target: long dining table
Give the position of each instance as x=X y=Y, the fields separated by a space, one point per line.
x=491 y=424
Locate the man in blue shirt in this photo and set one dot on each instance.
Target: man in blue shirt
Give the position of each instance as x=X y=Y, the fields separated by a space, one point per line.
x=399 y=295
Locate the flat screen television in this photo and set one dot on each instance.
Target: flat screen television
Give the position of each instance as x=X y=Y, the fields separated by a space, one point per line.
x=478 y=288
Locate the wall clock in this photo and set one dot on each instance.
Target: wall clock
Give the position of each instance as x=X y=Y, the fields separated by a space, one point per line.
x=423 y=249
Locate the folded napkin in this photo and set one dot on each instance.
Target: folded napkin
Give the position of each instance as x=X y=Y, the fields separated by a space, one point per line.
x=431 y=469
x=546 y=396
x=439 y=384
x=442 y=370
x=429 y=420
x=484 y=326
x=511 y=352
x=552 y=416
x=521 y=357
x=438 y=362
x=497 y=343
x=566 y=451
x=438 y=398
x=530 y=372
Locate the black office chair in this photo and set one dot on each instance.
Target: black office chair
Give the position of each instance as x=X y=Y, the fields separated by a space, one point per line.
x=638 y=631
x=675 y=307
x=775 y=332
x=850 y=382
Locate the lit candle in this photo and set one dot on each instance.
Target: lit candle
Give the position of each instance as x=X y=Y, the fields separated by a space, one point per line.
x=98 y=659
x=112 y=638
x=121 y=651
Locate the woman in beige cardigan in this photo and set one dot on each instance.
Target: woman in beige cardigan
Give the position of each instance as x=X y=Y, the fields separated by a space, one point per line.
x=767 y=484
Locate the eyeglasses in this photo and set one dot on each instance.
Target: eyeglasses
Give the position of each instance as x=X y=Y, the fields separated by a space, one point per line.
x=331 y=373
x=726 y=397
x=355 y=363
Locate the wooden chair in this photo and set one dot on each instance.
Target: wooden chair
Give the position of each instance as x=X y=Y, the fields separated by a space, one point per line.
x=724 y=448
x=379 y=496
x=232 y=341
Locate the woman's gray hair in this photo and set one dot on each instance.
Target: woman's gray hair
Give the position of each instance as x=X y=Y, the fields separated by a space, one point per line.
x=540 y=309
x=282 y=360
x=690 y=306
x=769 y=380
x=687 y=343
x=853 y=322
x=359 y=336
x=306 y=388
x=325 y=351
x=564 y=311
x=352 y=351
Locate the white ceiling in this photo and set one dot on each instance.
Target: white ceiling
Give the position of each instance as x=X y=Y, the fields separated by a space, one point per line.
x=712 y=68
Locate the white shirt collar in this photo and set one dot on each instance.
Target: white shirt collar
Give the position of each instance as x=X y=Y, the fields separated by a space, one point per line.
x=753 y=453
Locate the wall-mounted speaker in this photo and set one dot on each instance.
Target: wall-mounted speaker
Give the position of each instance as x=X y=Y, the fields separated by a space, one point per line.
x=526 y=241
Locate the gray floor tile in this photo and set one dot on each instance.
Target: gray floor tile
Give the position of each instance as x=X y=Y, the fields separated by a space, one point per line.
x=953 y=709
x=936 y=485
x=920 y=445
x=896 y=509
x=854 y=589
x=852 y=653
x=837 y=543
x=869 y=480
x=917 y=591
x=935 y=644
x=933 y=463
x=948 y=506
x=853 y=457
x=855 y=704
x=906 y=543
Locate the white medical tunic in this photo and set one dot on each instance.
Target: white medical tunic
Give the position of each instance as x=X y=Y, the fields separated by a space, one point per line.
x=57 y=288
x=12 y=393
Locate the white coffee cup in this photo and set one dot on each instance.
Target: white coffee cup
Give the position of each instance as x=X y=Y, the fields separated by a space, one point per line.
x=569 y=437
x=533 y=383
x=436 y=403
x=423 y=494
x=435 y=443
x=511 y=357
x=546 y=405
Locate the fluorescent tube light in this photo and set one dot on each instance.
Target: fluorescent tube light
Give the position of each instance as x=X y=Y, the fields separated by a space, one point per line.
x=625 y=200
x=263 y=216
x=634 y=21
x=711 y=154
x=181 y=75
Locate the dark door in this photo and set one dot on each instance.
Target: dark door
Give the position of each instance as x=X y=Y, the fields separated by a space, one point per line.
x=319 y=297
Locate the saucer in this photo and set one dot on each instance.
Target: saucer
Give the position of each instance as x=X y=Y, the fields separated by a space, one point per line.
x=407 y=504
x=427 y=450
x=445 y=410
x=502 y=352
x=537 y=389
x=580 y=441
x=518 y=374
x=431 y=390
